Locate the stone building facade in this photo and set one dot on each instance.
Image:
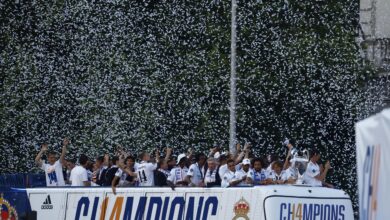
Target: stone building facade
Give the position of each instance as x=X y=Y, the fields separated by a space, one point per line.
x=374 y=33
x=374 y=40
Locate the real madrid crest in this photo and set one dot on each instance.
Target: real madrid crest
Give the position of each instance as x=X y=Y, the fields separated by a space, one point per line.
x=241 y=209
x=6 y=210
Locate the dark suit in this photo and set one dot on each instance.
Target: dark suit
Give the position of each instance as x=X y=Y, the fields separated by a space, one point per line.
x=109 y=176
x=101 y=177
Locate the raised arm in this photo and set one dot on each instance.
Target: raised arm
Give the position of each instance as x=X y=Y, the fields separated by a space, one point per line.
x=213 y=151
x=285 y=166
x=106 y=161
x=247 y=151
x=38 y=160
x=65 y=143
x=168 y=153
x=244 y=154
x=239 y=154
x=157 y=155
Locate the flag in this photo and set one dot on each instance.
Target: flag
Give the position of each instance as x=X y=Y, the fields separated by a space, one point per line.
x=373 y=166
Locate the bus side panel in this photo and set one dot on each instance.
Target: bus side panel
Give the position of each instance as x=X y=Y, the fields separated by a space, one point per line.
x=305 y=208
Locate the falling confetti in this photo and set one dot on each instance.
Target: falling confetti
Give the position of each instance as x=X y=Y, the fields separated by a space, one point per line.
x=148 y=74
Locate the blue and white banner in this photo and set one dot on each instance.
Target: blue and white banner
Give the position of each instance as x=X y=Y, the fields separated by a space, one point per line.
x=264 y=202
x=373 y=166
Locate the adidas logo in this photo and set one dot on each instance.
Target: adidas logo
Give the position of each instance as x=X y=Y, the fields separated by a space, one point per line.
x=47 y=203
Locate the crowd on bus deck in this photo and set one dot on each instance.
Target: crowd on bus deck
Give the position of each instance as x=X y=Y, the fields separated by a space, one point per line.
x=186 y=170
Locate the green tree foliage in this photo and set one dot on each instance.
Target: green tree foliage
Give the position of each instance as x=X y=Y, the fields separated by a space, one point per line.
x=145 y=74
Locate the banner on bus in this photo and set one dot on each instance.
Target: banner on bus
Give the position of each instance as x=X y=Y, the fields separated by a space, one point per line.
x=373 y=167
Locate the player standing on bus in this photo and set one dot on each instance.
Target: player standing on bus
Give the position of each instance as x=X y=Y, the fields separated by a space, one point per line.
x=53 y=167
x=313 y=175
x=145 y=170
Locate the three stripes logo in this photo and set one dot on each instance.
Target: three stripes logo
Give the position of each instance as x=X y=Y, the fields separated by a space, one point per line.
x=47 y=203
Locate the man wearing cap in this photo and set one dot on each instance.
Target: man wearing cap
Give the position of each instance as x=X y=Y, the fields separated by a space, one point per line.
x=242 y=173
x=178 y=174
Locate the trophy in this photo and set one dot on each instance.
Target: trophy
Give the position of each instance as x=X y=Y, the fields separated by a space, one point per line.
x=299 y=162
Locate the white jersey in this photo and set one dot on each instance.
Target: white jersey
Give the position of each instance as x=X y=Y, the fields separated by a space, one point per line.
x=239 y=175
x=89 y=174
x=257 y=176
x=178 y=174
x=145 y=173
x=274 y=176
x=211 y=176
x=238 y=166
x=78 y=176
x=222 y=170
x=290 y=173
x=228 y=177
x=196 y=173
x=312 y=170
x=53 y=173
x=269 y=168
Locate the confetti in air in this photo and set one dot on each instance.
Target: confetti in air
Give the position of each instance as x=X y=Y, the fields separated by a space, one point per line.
x=145 y=74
